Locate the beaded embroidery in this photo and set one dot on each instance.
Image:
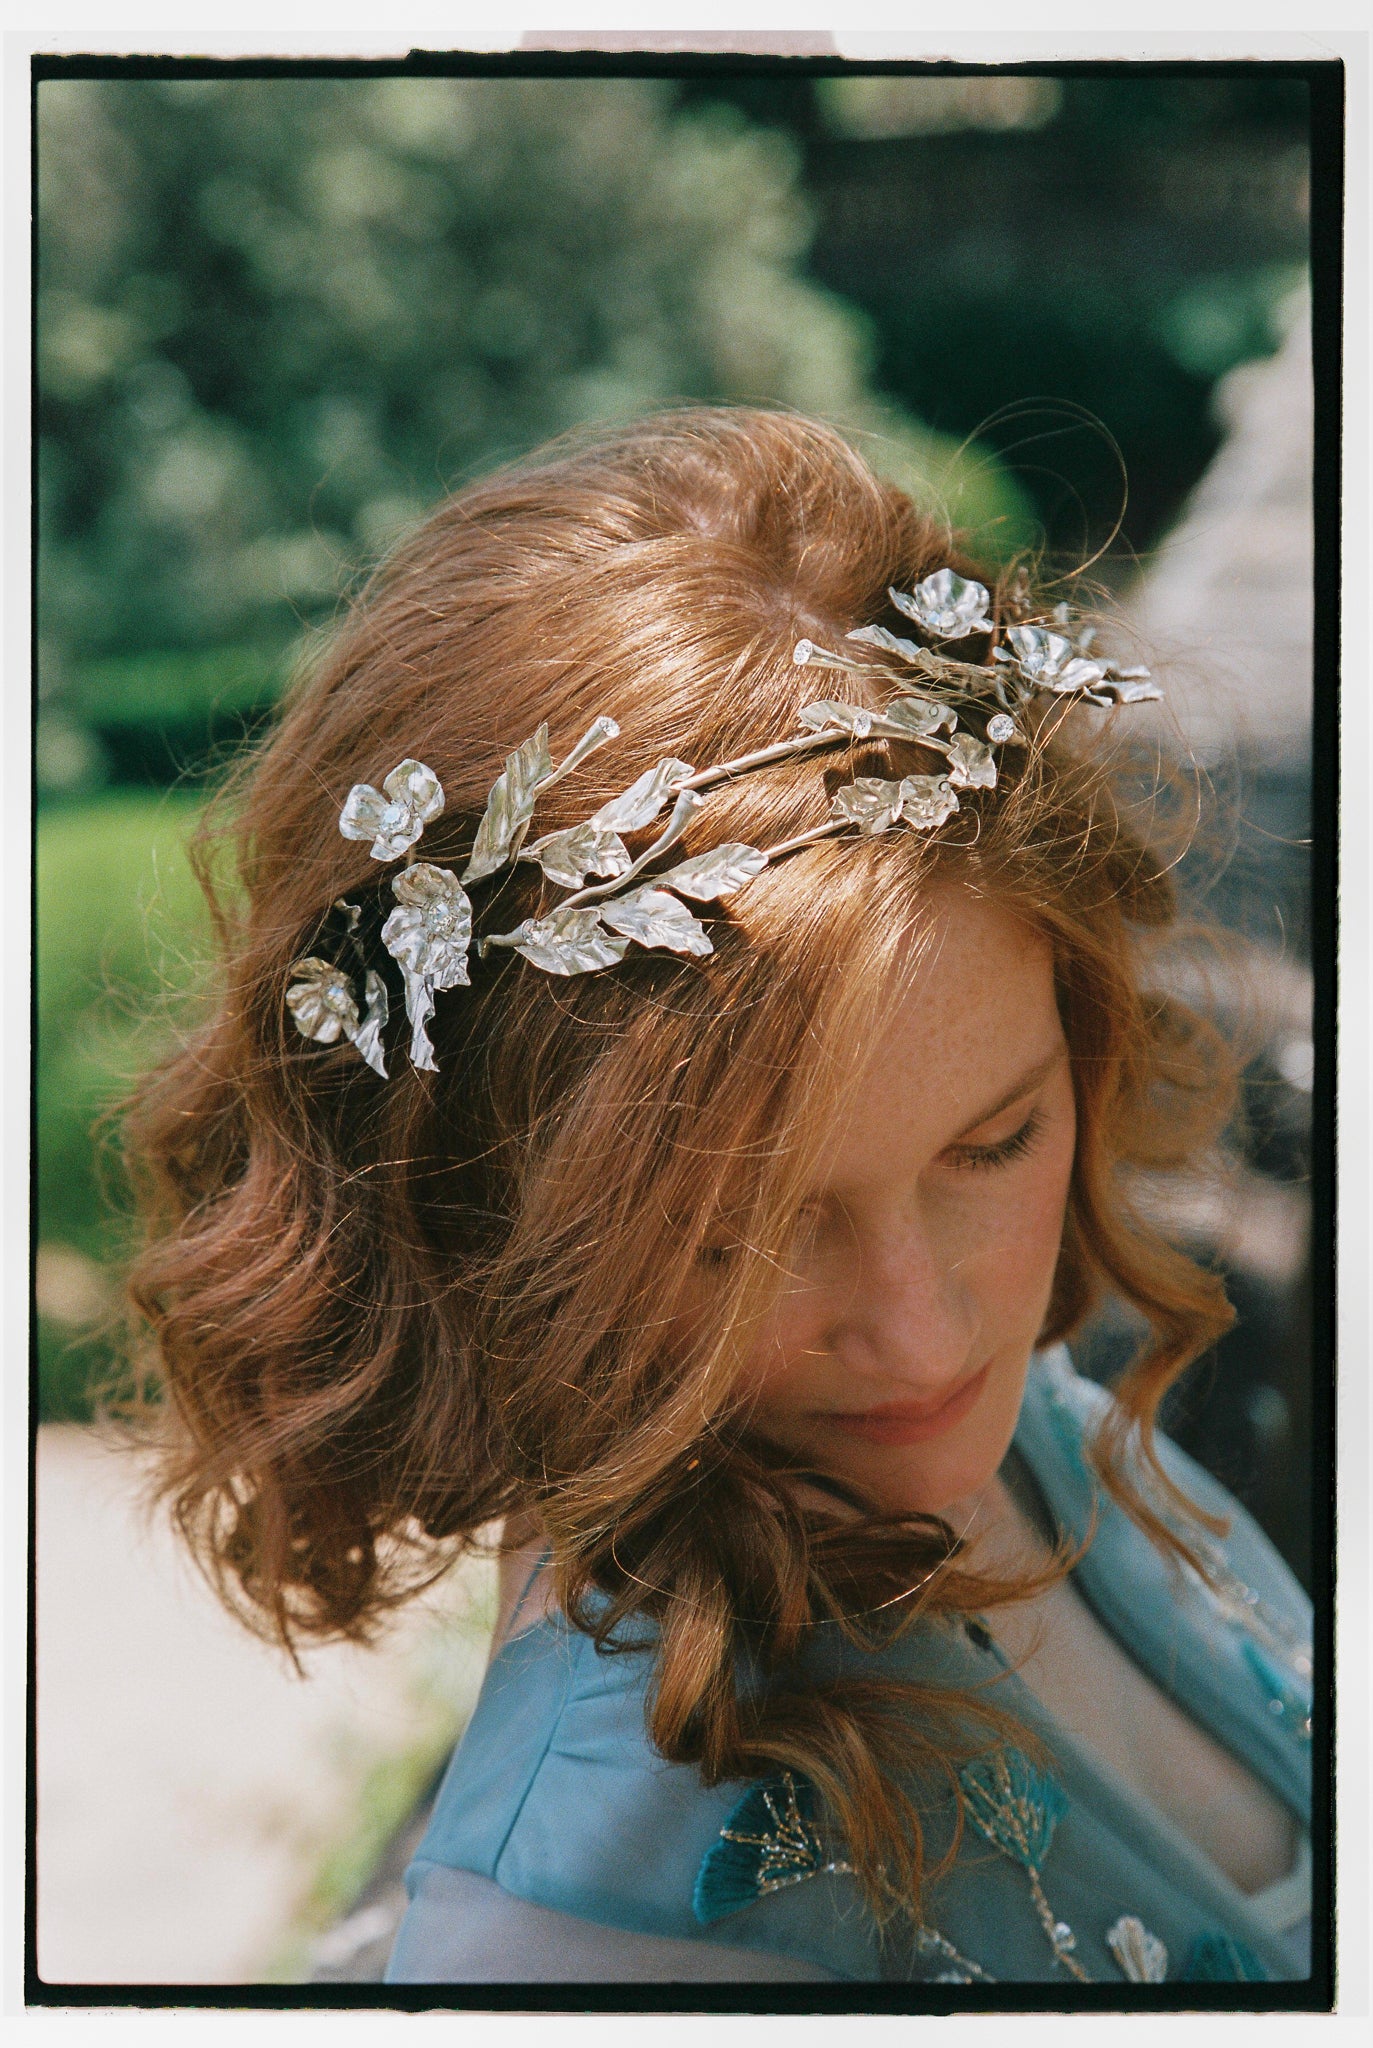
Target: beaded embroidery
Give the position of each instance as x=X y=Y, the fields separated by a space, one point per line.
x=1142 y=1957
x=1276 y=1652
x=1287 y=1703
x=1017 y=1808
x=769 y=1843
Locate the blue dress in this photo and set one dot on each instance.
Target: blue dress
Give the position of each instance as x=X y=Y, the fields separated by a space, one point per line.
x=563 y=1848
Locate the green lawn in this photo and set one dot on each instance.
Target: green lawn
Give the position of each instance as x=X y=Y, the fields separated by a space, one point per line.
x=121 y=937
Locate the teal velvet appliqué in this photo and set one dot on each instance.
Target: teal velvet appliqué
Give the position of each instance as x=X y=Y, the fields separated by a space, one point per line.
x=1220 y=1959
x=1018 y=1808
x=770 y=1841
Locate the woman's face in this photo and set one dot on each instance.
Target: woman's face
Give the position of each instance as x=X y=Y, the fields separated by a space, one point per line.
x=922 y=1266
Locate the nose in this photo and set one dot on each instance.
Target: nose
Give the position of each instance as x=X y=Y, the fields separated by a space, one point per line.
x=908 y=1322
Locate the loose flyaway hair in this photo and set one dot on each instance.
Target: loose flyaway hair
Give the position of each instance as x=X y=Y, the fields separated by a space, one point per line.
x=382 y=1315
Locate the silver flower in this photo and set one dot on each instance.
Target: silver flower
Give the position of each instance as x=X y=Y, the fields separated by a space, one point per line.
x=321 y=1000
x=1049 y=659
x=651 y=917
x=510 y=804
x=393 y=816
x=430 y=929
x=322 y=1003
x=948 y=606
x=428 y=933
x=1142 y=1957
x=567 y=941
x=970 y=762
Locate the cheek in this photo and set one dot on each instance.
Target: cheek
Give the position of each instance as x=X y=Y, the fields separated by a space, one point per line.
x=1031 y=1224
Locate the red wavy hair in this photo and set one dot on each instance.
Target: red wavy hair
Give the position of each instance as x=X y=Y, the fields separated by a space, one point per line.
x=386 y=1315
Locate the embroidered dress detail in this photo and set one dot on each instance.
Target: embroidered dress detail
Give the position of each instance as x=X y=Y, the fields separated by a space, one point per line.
x=1269 y=1632
x=768 y=1843
x=1278 y=1653
x=931 y=1946
x=1142 y=1957
x=1216 y=1958
x=1289 y=1704
x=1017 y=1808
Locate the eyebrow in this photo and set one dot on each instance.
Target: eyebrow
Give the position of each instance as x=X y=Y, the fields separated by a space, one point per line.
x=1023 y=1086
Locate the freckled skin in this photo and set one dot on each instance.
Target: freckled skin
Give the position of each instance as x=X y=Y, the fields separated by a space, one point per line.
x=923 y=1267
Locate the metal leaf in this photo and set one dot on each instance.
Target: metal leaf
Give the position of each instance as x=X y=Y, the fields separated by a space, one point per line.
x=878 y=636
x=640 y=804
x=918 y=716
x=927 y=800
x=719 y=872
x=970 y=762
x=419 y=1008
x=1077 y=676
x=823 y=714
x=869 y=803
x=683 y=811
x=651 y=917
x=567 y=858
x=510 y=806
x=368 y=1039
x=1131 y=686
x=567 y=941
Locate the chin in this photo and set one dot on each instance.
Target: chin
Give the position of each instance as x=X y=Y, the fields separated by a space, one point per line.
x=934 y=1477
x=931 y=1488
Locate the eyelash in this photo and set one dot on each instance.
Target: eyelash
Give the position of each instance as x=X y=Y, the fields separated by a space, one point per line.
x=977 y=1158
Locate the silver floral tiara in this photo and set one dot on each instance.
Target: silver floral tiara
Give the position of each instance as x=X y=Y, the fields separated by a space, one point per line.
x=429 y=932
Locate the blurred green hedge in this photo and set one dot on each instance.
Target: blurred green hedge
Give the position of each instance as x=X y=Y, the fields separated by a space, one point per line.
x=121 y=937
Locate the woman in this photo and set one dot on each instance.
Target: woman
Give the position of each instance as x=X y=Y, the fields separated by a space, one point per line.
x=779 y=1052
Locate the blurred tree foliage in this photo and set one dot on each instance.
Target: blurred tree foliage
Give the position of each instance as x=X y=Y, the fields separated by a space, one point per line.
x=278 y=318
x=1114 y=242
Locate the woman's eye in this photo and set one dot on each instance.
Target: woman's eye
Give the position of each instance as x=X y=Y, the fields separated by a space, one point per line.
x=975 y=1158
x=805 y=1232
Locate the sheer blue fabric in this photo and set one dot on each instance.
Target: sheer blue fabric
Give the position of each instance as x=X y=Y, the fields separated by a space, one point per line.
x=556 y=1799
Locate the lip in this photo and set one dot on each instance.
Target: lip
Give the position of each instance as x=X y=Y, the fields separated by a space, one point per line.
x=911 y=1422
